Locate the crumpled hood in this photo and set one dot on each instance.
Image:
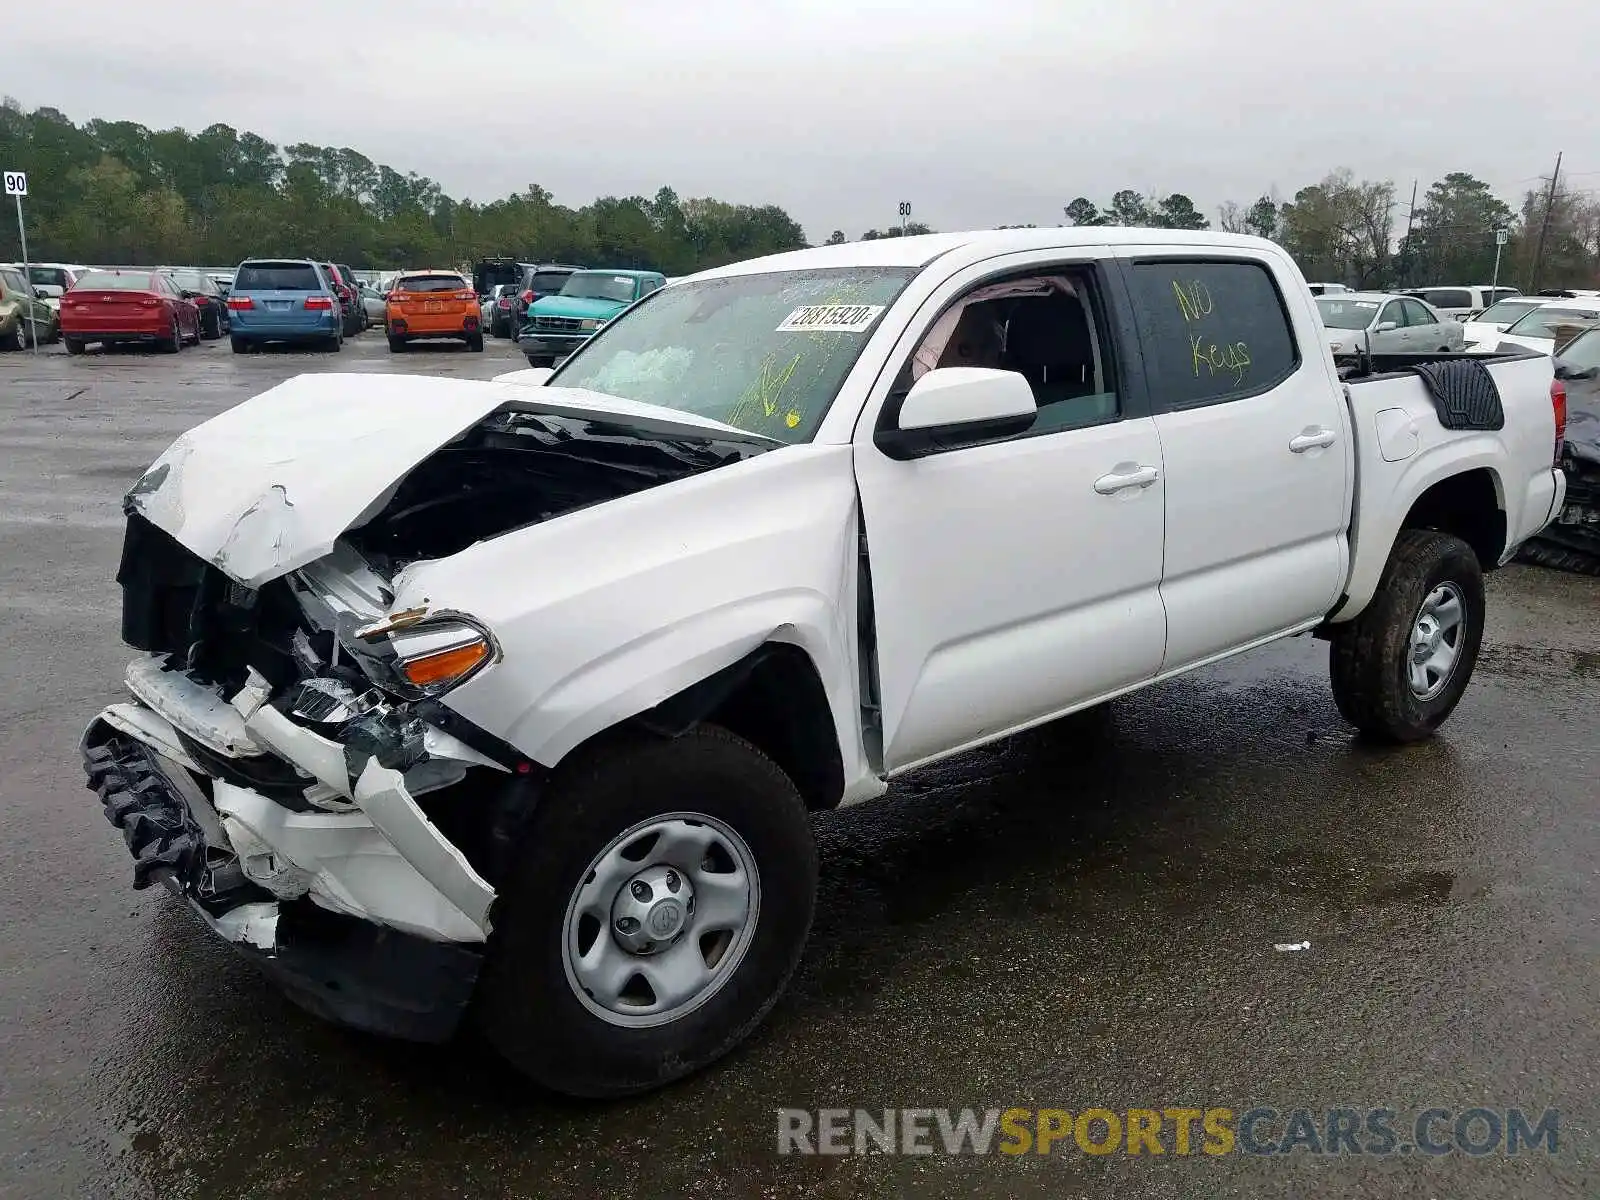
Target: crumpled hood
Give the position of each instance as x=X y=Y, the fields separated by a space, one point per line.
x=574 y=306
x=269 y=485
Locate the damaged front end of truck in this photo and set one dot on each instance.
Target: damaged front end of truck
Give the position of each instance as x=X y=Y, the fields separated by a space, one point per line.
x=287 y=759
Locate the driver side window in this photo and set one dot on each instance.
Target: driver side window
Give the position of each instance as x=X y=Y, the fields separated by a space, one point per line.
x=1047 y=328
x=1392 y=311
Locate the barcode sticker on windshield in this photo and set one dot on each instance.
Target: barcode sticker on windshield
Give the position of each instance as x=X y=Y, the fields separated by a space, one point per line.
x=831 y=318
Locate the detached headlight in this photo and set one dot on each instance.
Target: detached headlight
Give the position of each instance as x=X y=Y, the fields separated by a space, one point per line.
x=430 y=655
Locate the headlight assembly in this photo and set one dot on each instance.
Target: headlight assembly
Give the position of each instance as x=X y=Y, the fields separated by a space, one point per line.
x=427 y=655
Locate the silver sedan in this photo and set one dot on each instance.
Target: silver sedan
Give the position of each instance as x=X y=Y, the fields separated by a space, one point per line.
x=1383 y=323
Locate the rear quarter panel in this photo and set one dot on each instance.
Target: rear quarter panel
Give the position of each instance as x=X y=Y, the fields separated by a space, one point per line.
x=1396 y=415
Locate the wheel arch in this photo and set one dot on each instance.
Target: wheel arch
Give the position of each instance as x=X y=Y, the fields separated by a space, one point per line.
x=774 y=698
x=1464 y=496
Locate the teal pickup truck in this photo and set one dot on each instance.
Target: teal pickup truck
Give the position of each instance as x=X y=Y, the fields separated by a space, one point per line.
x=557 y=325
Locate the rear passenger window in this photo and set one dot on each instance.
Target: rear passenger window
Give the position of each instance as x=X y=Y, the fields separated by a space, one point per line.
x=1211 y=331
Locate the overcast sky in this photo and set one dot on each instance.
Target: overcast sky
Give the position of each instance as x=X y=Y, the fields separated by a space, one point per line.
x=979 y=114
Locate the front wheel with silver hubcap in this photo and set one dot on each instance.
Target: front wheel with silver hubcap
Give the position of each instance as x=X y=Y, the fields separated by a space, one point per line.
x=661 y=920
x=659 y=903
x=1400 y=668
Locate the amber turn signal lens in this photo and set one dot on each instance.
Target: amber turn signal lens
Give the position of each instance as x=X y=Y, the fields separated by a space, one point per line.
x=444 y=666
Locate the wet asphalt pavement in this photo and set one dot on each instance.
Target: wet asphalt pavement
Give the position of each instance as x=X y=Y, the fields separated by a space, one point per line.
x=1082 y=916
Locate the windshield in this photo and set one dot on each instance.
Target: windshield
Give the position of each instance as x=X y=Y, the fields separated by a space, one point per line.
x=104 y=281
x=1542 y=322
x=597 y=285
x=1507 y=311
x=1338 y=313
x=765 y=353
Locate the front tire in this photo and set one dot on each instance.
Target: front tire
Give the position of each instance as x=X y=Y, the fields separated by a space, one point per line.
x=574 y=993
x=1400 y=668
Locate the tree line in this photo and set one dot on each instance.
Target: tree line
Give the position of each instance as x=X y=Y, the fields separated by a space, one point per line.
x=1357 y=232
x=116 y=191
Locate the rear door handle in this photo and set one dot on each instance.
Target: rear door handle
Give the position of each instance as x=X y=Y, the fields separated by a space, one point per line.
x=1117 y=481
x=1312 y=439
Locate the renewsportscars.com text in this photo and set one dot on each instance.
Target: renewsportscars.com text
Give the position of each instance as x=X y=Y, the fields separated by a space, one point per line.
x=1213 y=1132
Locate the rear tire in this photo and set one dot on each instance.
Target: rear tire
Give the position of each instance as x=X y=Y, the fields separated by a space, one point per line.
x=74 y=346
x=475 y=343
x=173 y=343
x=335 y=343
x=397 y=345
x=239 y=345
x=1383 y=680
x=529 y=1001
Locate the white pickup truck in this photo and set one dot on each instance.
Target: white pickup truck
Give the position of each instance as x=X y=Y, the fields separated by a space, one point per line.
x=465 y=690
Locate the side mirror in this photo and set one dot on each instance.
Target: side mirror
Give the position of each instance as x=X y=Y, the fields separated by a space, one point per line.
x=1384 y=327
x=950 y=407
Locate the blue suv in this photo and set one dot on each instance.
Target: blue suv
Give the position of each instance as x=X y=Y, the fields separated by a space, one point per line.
x=283 y=300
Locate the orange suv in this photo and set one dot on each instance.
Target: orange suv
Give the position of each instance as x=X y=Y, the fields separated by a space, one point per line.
x=433 y=304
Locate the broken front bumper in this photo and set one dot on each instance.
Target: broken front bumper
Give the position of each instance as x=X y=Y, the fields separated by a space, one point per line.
x=341 y=968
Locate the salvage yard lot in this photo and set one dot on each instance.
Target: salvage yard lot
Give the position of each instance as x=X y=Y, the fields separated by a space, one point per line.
x=1082 y=916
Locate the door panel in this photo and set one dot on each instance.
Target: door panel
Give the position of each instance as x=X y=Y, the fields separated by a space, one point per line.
x=1007 y=588
x=1014 y=580
x=1255 y=526
x=1396 y=340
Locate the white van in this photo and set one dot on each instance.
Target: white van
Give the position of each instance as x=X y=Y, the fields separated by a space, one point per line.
x=1464 y=302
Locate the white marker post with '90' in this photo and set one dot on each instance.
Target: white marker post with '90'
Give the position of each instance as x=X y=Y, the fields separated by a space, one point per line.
x=17 y=187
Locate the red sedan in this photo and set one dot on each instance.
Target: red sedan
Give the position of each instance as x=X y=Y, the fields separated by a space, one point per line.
x=128 y=306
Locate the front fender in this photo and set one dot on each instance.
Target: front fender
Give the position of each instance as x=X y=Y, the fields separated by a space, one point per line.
x=606 y=612
x=630 y=680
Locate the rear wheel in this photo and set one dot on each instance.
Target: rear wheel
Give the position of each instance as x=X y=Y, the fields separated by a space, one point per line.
x=74 y=346
x=661 y=901
x=396 y=344
x=173 y=342
x=475 y=343
x=239 y=344
x=335 y=343
x=1400 y=668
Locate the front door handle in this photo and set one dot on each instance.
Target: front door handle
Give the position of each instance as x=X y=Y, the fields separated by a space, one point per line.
x=1132 y=476
x=1312 y=439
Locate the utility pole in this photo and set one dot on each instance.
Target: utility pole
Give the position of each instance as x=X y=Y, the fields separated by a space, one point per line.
x=1549 y=203
x=1405 y=259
